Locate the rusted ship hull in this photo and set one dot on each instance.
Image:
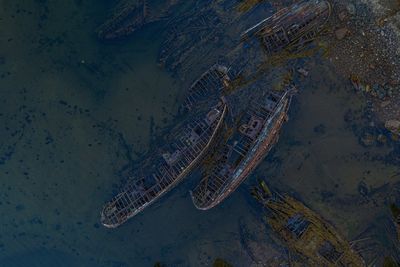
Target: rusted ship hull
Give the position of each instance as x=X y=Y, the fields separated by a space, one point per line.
x=297 y=24
x=212 y=191
x=174 y=167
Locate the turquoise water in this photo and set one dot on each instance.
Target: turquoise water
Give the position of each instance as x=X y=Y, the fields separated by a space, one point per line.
x=77 y=114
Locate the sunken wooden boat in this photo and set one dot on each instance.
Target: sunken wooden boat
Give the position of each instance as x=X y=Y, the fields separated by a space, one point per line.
x=292 y=26
x=305 y=232
x=175 y=162
x=258 y=131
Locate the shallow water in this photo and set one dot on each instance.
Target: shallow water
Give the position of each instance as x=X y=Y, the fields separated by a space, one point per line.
x=77 y=113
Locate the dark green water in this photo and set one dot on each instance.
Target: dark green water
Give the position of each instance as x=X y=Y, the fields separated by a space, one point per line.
x=75 y=113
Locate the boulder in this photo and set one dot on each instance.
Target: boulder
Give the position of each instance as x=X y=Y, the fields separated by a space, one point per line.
x=393 y=126
x=341 y=33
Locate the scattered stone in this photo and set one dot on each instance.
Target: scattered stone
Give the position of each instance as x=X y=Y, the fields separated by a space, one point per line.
x=393 y=126
x=341 y=33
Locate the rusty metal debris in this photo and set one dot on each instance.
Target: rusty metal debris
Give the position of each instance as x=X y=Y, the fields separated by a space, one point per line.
x=305 y=232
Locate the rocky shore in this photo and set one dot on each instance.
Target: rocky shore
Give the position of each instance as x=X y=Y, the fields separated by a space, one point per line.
x=364 y=46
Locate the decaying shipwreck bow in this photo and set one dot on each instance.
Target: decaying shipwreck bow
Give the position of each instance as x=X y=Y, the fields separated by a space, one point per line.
x=235 y=135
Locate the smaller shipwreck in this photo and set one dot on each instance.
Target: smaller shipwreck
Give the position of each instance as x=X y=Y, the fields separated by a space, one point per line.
x=305 y=232
x=292 y=26
x=168 y=168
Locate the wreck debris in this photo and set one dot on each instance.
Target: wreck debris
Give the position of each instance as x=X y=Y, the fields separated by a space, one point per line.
x=293 y=26
x=305 y=232
x=177 y=161
x=258 y=132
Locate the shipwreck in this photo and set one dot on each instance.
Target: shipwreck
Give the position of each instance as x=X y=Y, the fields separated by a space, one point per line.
x=175 y=162
x=292 y=26
x=258 y=131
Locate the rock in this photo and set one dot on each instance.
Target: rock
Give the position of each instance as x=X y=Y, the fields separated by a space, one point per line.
x=386 y=103
x=393 y=126
x=341 y=33
x=351 y=9
x=342 y=16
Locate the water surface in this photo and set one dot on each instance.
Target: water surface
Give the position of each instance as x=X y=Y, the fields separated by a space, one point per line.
x=76 y=114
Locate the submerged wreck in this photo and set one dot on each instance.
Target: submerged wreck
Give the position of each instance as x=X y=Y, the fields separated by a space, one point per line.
x=124 y=22
x=292 y=26
x=129 y=17
x=258 y=131
x=305 y=232
x=176 y=161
